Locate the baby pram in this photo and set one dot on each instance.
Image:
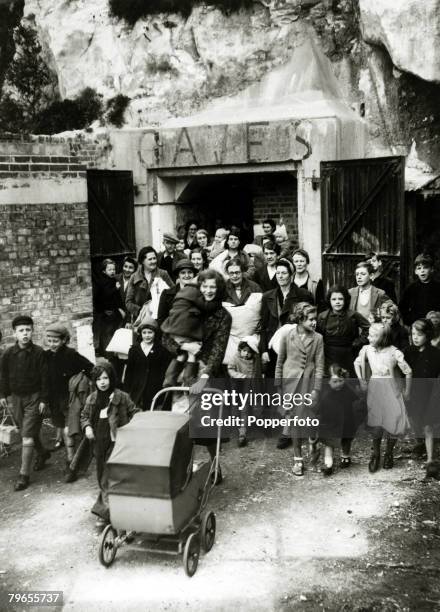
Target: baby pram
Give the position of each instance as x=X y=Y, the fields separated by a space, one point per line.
x=157 y=493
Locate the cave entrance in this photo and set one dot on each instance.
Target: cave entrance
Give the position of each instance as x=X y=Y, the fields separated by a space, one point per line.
x=240 y=199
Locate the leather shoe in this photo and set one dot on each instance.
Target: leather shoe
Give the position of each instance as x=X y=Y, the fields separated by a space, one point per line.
x=284 y=442
x=242 y=441
x=22 y=483
x=69 y=475
x=388 y=461
x=432 y=471
x=327 y=470
x=374 y=464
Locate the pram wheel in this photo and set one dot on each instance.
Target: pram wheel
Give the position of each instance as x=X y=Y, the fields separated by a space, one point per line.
x=108 y=546
x=208 y=531
x=191 y=554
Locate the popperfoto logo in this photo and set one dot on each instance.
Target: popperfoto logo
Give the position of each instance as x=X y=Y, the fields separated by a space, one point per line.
x=255 y=410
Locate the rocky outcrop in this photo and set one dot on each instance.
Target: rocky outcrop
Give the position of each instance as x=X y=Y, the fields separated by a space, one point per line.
x=382 y=53
x=409 y=30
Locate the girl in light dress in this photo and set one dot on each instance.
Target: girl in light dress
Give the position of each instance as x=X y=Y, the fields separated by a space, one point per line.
x=386 y=408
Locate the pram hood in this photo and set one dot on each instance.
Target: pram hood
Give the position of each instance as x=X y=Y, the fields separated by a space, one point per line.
x=152 y=456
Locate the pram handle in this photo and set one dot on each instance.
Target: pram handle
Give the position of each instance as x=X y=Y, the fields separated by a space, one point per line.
x=213 y=473
x=181 y=389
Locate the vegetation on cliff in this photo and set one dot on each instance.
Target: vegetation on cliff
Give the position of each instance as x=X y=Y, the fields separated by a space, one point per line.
x=132 y=10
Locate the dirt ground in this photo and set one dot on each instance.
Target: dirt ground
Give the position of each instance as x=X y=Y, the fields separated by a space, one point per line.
x=351 y=542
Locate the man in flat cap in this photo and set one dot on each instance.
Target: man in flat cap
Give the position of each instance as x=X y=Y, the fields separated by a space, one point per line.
x=168 y=258
x=24 y=378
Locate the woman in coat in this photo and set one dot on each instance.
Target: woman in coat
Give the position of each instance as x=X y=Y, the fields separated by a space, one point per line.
x=276 y=306
x=107 y=305
x=234 y=250
x=216 y=328
x=302 y=278
x=139 y=287
x=146 y=366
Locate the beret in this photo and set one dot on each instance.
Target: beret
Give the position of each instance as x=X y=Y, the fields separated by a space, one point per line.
x=148 y=323
x=184 y=264
x=22 y=320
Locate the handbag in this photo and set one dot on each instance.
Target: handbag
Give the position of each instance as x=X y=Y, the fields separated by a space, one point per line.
x=121 y=342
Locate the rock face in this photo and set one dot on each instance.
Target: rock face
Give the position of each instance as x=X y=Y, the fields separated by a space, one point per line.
x=409 y=30
x=171 y=65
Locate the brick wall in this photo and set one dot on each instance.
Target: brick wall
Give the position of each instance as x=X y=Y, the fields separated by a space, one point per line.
x=275 y=196
x=87 y=150
x=44 y=236
x=44 y=259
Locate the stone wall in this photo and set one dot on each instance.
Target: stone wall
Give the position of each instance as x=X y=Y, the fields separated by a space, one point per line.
x=44 y=235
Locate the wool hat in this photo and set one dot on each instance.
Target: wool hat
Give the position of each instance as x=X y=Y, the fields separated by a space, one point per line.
x=184 y=264
x=58 y=330
x=170 y=238
x=22 y=320
x=148 y=323
x=251 y=341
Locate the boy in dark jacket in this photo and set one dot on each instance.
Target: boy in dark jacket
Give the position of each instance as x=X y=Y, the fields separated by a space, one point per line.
x=24 y=377
x=423 y=295
x=63 y=363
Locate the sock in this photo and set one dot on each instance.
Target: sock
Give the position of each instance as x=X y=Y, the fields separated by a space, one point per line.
x=376 y=446
x=26 y=460
x=328 y=458
x=70 y=452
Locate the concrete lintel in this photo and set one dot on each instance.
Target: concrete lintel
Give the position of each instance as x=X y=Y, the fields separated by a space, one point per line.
x=219 y=170
x=43 y=191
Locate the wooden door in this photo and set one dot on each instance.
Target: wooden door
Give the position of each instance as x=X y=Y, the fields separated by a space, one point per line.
x=363 y=210
x=111 y=213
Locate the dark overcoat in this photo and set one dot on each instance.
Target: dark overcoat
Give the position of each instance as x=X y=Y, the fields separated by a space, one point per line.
x=145 y=374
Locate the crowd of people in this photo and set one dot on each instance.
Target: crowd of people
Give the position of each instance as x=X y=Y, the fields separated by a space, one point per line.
x=250 y=312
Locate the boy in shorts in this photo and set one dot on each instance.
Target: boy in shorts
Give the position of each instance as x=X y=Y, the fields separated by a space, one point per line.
x=24 y=377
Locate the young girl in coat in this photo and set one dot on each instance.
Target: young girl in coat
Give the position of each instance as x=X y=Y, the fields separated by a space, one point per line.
x=344 y=331
x=386 y=408
x=337 y=418
x=245 y=369
x=146 y=365
x=300 y=369
x=106 y=409
x=424 y=405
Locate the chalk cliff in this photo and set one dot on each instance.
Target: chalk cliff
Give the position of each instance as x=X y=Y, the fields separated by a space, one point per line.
x=384 y=54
